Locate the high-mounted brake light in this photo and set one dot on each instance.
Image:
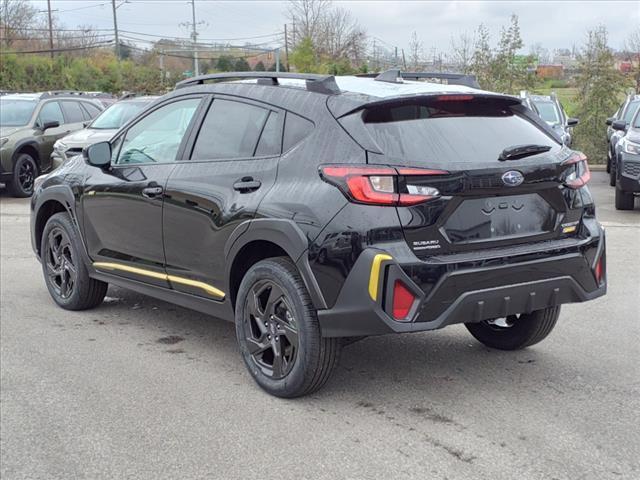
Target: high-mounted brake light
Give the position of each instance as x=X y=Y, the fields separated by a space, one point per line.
x=378 y=185
x=581 y=175
x=454 y=98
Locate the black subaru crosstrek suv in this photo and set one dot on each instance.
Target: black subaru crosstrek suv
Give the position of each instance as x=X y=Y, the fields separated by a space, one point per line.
x=312 y=210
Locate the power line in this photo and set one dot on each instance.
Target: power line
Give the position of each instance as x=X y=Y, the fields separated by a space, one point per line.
x=55 y=50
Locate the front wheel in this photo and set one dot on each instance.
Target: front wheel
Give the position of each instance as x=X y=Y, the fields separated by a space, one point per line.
x=515 y=331
x=25 y=172
x=278 y=331
x=64 y=271
x=624 y=200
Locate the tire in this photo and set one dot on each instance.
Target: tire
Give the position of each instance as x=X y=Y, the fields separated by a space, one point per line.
x=65 y=273
x=612 y=174
x=624 y=200
x=523 y=331
x=25 y=172
x=273 y=309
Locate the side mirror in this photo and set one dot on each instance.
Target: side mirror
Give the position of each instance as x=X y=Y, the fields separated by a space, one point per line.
x=572 y=122
x=610 y=120
x=98 y=154
x=51 y=124
x=619 y=125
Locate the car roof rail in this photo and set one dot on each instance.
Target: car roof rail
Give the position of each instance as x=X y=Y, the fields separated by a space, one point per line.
x=396 y=76
x=314 y=82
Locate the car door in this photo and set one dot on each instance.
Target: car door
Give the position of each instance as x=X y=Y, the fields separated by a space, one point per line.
x=50 y=111
x=122 y=204
x=233 y=162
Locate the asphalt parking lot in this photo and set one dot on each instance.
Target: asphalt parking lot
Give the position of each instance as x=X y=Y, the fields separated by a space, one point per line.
x=138 y=388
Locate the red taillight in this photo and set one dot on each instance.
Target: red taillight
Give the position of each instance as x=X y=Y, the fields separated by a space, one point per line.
x=598 y=271
x=582 y=174
x=402 y=301
x=378 y=185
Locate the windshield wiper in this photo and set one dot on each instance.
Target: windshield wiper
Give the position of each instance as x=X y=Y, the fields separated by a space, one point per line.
x=520 y=151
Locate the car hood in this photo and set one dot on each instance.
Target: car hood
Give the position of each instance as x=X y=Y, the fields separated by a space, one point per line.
x=6 y=131
x=633 y=135
x=87 y=136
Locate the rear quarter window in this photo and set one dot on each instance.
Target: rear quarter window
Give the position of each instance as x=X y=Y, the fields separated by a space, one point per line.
x=296 y=129
x=475 y=130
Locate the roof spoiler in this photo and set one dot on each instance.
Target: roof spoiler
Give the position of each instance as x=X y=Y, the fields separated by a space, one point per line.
x=314 y=83
x=396 y=76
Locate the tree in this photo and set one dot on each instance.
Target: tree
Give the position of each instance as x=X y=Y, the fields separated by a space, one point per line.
x=16 y=16
x=259 y=67
x=241 y=65
x=483 y=58
x=304 y=56
x=505 y=69
x=462 y=52
x=224 y=63
x=599 y=87
x=632 y=47
x=415 y=51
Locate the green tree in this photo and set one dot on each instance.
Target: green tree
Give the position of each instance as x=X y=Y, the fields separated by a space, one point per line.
x=483 y=58
x=224 y=64
x=259 y=67
x=304 y=57
x=599 y=88
x=241 y=65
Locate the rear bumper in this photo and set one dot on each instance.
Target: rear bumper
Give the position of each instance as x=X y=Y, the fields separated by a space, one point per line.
x=629 y=173
x=465 y=293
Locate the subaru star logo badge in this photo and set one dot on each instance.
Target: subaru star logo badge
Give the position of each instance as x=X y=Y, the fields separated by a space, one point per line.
x=512 y=178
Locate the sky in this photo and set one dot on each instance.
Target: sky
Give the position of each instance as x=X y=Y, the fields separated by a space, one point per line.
x=553 y=24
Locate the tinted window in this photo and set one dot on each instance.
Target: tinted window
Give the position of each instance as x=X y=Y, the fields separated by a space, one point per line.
x=91 y=109
x=457 y=131
x=51 y=112
x=271 y=138
x=295 y=130
x=230 y=130
x=73 y=112
x=157 y=137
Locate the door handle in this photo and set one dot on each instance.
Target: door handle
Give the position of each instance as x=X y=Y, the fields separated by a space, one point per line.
x=246 y=185
x=151 y=192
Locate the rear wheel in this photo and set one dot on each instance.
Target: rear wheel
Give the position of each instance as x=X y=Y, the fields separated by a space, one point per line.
x=25 y=172
x=64 y=271
x=278 y=331
x=624 y=200
x=515 y=331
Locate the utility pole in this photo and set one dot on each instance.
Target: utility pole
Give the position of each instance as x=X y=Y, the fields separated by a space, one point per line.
x=50 y=27
x=278 y=59
x=115 y=29
x=286 y=47
x=194 y=38
x=404 y=61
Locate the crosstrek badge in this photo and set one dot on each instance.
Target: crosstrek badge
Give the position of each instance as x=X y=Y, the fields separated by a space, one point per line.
x=426 y=245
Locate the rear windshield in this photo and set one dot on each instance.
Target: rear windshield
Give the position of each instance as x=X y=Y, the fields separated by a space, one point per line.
x=427 y=130
x=548 y=112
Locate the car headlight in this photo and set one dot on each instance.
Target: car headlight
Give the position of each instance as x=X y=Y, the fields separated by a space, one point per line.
x=3 y=140
x=631 y=147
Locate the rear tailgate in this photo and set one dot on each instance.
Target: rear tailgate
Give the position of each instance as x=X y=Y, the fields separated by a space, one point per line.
x=483 y=201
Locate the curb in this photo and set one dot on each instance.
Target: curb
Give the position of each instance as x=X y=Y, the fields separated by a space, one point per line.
x=597 y=167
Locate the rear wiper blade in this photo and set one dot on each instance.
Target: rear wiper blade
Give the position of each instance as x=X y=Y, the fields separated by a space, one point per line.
x=520 y=151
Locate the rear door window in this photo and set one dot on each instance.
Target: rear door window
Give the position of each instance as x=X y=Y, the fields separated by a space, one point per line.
x=475 y=130
x=271 y=138
x=73 y=112
x=230 y=130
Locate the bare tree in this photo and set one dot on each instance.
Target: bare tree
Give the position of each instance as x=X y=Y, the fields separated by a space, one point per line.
x=416 y=48
x=16 y=18
x=341 y=35
x=307 y=16
x=632 y=46
x=462 y=52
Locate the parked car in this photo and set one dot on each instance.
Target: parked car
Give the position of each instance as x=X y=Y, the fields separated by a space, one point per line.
x=549 y=108
x=626 y=164
x=100 y=129
x=624 y=114
x=310 y=209
x=30 y=123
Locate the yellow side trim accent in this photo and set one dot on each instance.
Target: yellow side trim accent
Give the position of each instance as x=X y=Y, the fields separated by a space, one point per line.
x=211 y=290
x=374 y=278
x=570 y=229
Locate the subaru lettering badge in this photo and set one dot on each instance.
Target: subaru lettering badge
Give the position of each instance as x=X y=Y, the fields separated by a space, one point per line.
x=512 y=178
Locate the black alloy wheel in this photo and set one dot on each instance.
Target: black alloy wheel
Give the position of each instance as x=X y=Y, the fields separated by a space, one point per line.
x=60 y=264
x=270 y=329
x=25 y=172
